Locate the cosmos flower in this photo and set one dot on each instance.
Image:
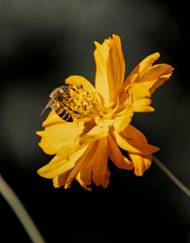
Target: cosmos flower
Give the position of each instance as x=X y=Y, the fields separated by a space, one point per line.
x=101 y=120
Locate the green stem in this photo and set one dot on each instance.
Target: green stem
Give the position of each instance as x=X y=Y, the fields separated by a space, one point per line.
x=171 y=176
x=20 y=211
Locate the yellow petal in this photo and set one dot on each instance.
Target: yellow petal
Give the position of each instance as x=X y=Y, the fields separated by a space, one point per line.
x=155 y=76
x=110 y=68
x=58 y=166
x=79 y=80
x=58 y=133
x=123 y=120
x=99 y=166
x=142 y=67
x=101 y=78
x=52 y=119
x=96 y=169
x=137 y=139
x=60 y=180
x=132 y=133
x=141 y=163
x=81 y=163
x=115 y=66
x=138 y=96
x=143 y=105
x=155 y=84
x=97 y=132
x=92 y=166
x=150 y=76
x=134 y=146
x=82 y=183
x=117 y=157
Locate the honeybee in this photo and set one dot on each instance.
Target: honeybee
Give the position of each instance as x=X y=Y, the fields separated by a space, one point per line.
x=57 y=102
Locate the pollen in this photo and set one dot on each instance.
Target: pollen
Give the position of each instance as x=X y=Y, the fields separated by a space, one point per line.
x=82 y=102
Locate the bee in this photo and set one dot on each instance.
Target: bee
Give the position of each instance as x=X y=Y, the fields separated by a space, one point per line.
x=57 y=102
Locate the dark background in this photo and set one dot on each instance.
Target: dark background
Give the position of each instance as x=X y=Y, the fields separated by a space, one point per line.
x=44 y=42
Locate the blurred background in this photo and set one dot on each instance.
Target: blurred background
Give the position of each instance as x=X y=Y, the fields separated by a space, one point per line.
x=44 y=42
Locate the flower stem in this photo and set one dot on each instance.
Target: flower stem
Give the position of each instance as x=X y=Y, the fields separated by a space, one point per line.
x=171 y=175
x=17 y=206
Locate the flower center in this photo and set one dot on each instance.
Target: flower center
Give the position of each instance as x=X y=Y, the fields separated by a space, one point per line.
x=81 y=102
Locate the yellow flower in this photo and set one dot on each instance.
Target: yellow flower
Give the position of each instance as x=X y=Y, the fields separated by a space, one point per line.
x=101 y=117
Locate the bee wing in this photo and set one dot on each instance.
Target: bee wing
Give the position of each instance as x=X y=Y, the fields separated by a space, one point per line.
x=49 y=104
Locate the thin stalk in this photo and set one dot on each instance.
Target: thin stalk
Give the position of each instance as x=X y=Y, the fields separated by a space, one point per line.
x=171 y=175
x=20 y=211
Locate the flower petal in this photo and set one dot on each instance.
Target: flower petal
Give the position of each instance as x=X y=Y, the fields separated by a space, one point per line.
x=52 y=119
x=58 y=133
x=110 y=68
x=134 y=145
x=79 y=80
x=139 y=97
x=92 y=166
x=97 y=132
x=150 y=76
x=132 y=133
x=141 y=163
x=58 y=165
x=137 y=139
x=115 y=66
x=80 y=164
x=60 y=180
x=96 y=169
x=117 y=157
x=155 y=76
x=123 y=120
x=142 y=67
